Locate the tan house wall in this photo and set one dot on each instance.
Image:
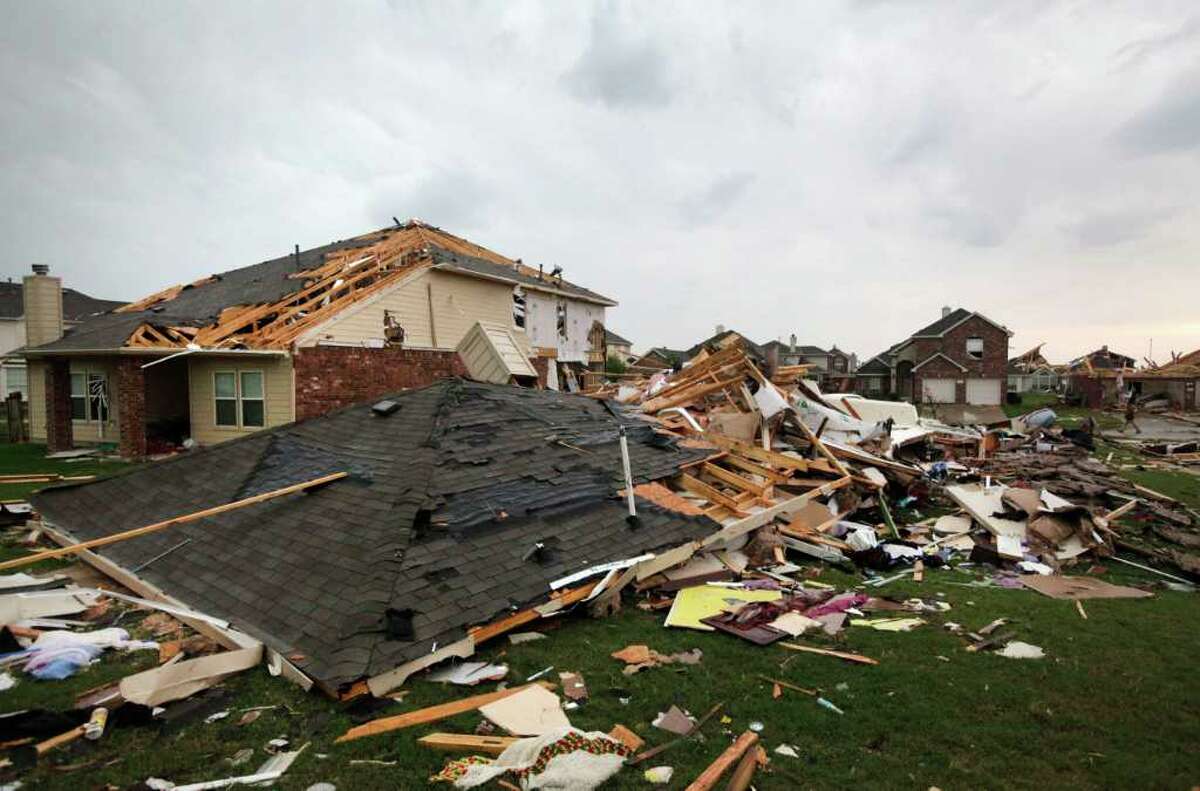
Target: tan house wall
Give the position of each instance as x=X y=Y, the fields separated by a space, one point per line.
x=454 y=301
x=82 y=431
x=278 y=387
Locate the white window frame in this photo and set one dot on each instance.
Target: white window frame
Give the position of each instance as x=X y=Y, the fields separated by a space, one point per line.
x=975 y=355
x=239 y=398
x=88 y=415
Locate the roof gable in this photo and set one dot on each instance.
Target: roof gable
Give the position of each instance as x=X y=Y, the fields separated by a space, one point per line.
x=935 y=355
x=948 y=322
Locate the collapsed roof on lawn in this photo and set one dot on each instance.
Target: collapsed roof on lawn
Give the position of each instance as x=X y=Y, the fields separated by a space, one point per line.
x=434 y=530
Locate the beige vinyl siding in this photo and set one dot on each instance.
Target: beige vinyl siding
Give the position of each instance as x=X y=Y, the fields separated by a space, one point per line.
x=278 y=387
x=457 y=302
x=82 y=431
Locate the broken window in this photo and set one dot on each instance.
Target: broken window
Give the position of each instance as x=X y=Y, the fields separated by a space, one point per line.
x=975 y=348
x=518 y=308
x=97 y=384
x=393 y=333
x=561 y=313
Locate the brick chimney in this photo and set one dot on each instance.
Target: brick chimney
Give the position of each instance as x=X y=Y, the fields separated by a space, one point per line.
x=42 y=295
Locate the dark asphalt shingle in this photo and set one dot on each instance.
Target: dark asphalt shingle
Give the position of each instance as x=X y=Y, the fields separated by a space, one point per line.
x=495 y=468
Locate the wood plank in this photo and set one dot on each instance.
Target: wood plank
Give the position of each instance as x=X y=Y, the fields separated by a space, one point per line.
x=428 y=714
x=859 y=658
x=762 y=455
x=734 y=480
x=709 y=493
x=744 y=773
x=467 y=743
x=744 y=464
x=710 y=776
x=178 y=520
x=767 y=515
x=565 y=597
x=659 y=403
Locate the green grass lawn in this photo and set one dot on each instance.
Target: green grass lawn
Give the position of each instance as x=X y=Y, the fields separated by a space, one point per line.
x=1114 y=704
x=31 y=458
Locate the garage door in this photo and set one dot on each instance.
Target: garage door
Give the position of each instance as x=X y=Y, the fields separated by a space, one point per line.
x=983 y=391
x=937 y=391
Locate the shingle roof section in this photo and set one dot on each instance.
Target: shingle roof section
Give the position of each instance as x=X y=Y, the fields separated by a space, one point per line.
x=614 y=338
x=943 y=324
x=200 y=304
x=77 y=306
x=444 y=498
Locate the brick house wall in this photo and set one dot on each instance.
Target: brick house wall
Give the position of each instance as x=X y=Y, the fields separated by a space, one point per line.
x=58 y=405
x=953 y=344
x=331 y=377
x=131 y=410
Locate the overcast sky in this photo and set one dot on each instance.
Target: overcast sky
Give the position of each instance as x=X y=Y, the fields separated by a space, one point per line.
x=836 y=170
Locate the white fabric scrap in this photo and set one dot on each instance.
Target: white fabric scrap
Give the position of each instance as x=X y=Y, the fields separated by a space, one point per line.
x=1018 y=650
x=574 y=771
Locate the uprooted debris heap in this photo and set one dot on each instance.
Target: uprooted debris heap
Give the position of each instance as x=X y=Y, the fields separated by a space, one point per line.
x=354 y=550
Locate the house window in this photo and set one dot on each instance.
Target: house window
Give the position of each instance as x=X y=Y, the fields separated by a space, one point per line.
x=17 y=380
x=253 y=405
x=561 y=312
x=78 y=397
x=97 y=390
x=874 y=385
x=518 y=308
x=239 y=399
x=975 y=348
x=225 y=393
x=89 y=396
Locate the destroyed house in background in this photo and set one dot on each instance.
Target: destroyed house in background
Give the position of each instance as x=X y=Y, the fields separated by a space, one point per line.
x=616 y=346
x=1176 y=382
x=299 y=335
x=833 y=370
x=463 y=501
x=660 y=358
x=726 y=339
x=1097 y=379
x=959 y=359
x=1031 y=372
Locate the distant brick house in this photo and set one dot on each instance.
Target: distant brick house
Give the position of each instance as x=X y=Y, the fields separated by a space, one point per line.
x=959 y=359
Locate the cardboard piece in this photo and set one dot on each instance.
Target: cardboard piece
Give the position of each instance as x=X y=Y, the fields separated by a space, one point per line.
x=674 y=720
x=533 y=711
x=795 y=624
x=1059 y=587
x=704 y=601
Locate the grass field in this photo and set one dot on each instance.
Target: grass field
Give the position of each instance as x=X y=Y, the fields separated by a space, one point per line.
x=31 y=458
x=1115 y=703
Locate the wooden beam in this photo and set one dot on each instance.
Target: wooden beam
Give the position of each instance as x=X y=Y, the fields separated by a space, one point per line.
x=710 y=776
x=710 y=493
x=177 y=520
x=746 y=465
x=761 y=455
x=564 y=597
x=859 y=658
x=768 y=515
x=428 y=714
x=467 y=743
x=734 y=480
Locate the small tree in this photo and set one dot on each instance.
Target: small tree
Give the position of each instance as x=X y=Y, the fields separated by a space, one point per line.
x=615 y=365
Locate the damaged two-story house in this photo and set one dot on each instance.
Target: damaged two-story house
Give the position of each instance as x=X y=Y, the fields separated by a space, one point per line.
x=300 y=335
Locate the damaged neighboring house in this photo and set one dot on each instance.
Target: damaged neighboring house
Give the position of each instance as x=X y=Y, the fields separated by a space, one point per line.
x=1098 y=378
x=1177 y=382
x=616 y=346
x=54 y=310
x=833 y=370
x=462 y=502
x=1032 y=372
x=959 y=359
x=297 y=336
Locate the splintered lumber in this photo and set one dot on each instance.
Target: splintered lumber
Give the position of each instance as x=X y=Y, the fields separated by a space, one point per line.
x=744 y=773
x=709 y=777
x=734 y=480
x=177 y=520
x=756 y=453
x=467 y=743
x=562 y=598
x=810 y=649
x=710 y=493
x=428 y=714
